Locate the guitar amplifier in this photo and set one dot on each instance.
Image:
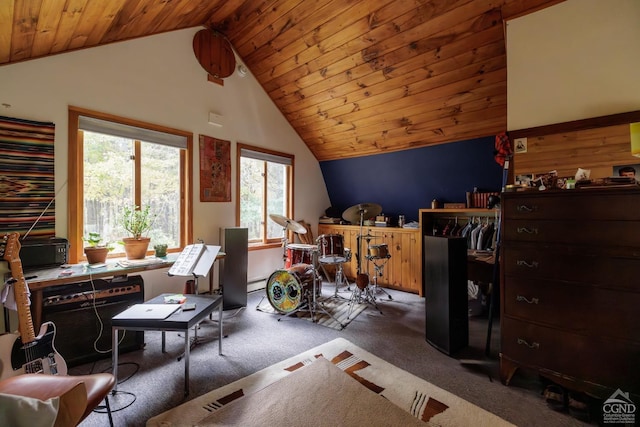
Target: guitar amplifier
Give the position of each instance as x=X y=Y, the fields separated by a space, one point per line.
x=82 y=315
x=42 y=253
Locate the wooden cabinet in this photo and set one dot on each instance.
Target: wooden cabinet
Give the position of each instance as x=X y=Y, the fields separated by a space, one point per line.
x=570 y=291
x=401 y=271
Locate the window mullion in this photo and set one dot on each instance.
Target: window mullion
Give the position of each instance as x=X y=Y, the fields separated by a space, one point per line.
x=137 y=173
x=265 y=237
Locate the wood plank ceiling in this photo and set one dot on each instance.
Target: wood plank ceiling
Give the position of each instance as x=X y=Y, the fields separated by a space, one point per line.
x=353 y=78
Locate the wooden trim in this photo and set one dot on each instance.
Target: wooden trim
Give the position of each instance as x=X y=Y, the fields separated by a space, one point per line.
x=289 y=182
x=76 y=174
x=576 y=125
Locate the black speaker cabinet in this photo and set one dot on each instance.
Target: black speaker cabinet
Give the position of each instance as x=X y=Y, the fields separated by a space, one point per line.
x=82 y=315
x=445 y=285
x=233 y=267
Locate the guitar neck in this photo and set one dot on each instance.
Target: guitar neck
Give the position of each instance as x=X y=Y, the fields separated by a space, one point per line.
x=20 y=289
x=21 y=294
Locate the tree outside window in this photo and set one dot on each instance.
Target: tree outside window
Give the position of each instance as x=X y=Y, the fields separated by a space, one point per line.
x=264 y=187
x=119 y=170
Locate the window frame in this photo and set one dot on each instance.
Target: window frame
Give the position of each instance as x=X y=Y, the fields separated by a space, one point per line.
x=266 y=243
x=75 y=178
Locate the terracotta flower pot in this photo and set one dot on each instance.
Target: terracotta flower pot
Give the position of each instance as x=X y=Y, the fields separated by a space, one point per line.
x=96 y=254
x=136 y=248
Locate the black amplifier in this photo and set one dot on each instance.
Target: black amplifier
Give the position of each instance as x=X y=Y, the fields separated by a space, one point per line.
x=42 y=253
x=82 y=314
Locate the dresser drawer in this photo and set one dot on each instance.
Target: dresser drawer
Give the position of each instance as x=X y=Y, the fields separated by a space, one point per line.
x=602 y=311
x=571 y=205
x=574 y=232
x=605 y=361
x=615 y=268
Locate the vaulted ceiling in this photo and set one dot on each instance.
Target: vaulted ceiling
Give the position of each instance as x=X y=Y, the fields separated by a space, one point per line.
x=352 y=77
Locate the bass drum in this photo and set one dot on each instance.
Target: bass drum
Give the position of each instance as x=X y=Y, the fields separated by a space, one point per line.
x=286 y=289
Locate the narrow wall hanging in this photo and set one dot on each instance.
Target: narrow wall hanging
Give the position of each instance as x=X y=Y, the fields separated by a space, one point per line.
x=215 y=169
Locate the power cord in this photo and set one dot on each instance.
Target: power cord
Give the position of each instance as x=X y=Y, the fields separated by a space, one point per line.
x=101 y=330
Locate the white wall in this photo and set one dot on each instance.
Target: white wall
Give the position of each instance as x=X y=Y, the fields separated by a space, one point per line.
x=158 y=79
x=575 y=60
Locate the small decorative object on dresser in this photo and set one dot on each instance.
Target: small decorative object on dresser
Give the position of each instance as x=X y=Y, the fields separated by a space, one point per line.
x=570 y=291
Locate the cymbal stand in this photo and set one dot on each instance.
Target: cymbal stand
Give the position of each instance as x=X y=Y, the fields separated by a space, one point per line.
x=285 y=243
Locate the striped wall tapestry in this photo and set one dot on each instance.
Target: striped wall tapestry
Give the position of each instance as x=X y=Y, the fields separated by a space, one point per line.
x=27 y=177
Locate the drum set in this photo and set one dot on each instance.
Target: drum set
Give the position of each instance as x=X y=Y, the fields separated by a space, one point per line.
x=298 y=286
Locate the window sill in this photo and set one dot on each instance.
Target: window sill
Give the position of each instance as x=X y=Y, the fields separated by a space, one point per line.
x=259 y=246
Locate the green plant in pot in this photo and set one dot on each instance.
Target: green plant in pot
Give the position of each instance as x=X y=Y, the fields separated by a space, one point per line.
x=95 y=252
x=137 y=222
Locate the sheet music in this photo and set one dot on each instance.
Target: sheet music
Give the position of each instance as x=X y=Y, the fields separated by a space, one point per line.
x=195 y=259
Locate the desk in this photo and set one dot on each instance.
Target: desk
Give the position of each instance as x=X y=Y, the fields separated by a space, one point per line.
x=37 y=280
x=179 y=321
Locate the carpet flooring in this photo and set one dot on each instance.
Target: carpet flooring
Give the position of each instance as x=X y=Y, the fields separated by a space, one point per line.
x=152 y=382
x=418 y=398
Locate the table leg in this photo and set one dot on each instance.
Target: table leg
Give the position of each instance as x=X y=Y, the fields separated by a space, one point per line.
x=220 y=329
x=186 y=362
x=163 y=342
x=114 y=356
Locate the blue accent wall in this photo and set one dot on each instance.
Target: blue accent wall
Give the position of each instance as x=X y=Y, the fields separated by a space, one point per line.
x=403 y=182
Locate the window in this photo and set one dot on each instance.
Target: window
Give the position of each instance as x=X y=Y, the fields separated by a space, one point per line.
x=264 y=187
x=115 y=162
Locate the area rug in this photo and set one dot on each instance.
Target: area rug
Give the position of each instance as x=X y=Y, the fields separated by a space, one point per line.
x=337 y=315
x=424 y=401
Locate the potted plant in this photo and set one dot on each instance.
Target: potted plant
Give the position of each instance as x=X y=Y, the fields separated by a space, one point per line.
x=95 y=252
x=136 y=221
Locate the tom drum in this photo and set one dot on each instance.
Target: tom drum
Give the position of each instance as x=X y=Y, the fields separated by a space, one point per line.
x=331 y=249
x=378 y=251
x=298 y=253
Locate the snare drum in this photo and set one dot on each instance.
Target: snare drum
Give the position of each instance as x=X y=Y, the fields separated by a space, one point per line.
x=331 y=248
x=286 y=289
x=378 y=251
x=298 y=253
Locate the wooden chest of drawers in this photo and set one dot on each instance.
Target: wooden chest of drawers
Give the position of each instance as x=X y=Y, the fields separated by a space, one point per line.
x=570 y=289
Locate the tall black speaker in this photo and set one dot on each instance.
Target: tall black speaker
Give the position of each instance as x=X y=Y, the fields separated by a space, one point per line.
x=233 y=267
x=82 y=314
x=445 y=286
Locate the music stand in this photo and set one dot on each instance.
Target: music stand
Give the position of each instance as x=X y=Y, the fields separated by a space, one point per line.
x=194 y=261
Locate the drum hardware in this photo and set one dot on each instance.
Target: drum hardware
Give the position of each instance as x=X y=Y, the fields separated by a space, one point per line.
x=353 y=214
x=378 y=255
x=297 y=289
x=287 y=224
x=332 y=252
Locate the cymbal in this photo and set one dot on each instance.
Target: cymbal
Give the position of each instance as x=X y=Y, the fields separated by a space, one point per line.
x=287 y=223
x=369 y=210
x=367 y=236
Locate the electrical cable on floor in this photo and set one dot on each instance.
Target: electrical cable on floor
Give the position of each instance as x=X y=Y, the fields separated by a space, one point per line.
x=95 y=310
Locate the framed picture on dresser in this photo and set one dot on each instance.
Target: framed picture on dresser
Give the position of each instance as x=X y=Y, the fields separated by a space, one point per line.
x=627 y=170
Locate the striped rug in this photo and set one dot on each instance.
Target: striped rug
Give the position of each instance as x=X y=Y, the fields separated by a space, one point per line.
x=27 y=177
x=332 y=312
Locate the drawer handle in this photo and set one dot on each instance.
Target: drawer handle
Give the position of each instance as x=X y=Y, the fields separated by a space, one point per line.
x=532 y=345
x=527 y=230
x=525 y=208
x=523 y=263
x=521 y=298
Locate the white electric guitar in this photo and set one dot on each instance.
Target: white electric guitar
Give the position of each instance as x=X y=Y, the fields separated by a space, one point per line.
x=26 y=352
